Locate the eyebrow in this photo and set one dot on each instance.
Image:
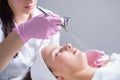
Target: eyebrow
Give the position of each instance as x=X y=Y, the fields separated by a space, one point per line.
x=56 y=47
x=53 y=51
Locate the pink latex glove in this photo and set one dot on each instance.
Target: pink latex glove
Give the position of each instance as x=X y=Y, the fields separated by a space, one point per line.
x=40 y=27
x=94 y=58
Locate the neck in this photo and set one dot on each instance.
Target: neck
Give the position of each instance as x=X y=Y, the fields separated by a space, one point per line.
x=85 y=74
x=21 y=18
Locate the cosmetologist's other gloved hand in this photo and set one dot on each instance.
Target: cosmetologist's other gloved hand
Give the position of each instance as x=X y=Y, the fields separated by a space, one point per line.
x=95 y=58
x=39 y=27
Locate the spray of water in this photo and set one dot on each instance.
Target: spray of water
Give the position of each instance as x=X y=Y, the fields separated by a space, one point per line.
x=76 y=42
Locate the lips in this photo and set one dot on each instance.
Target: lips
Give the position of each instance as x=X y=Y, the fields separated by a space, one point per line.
x=76 y=51
x=29 y=7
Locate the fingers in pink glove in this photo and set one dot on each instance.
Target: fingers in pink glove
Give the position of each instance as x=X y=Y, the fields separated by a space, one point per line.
x=96 y=64
x=95 y=53
x=56 y=21
x=39 y=27
x=57 y=17
x=94 y=56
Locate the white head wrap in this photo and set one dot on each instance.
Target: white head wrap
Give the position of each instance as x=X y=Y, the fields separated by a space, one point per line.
x=40 y=71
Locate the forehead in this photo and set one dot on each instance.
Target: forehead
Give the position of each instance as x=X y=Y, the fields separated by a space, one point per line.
x=48 y=50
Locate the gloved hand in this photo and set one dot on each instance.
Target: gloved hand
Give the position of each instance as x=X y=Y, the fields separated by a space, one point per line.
x=95 y=58
x=40 y=27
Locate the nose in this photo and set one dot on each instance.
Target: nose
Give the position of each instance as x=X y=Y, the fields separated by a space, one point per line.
x=30 y=1
x=67 y=47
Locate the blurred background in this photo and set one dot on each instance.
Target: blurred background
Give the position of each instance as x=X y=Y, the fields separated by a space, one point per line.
x=95 y=24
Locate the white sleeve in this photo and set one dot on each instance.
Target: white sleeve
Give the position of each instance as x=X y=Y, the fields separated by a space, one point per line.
x=55 y=39
x=1 y=32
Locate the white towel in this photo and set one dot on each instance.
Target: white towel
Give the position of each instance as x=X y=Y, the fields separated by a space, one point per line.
x=40 y=71
x=111 y=71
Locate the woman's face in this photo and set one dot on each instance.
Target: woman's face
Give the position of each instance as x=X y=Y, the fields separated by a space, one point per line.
x=22 y=6
x=64 y=59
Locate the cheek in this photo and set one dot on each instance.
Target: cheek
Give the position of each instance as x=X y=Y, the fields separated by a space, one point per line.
x=20 y=0
x=35 y=1
x=65 y=66
x=17 y=3
x=64 y=57
x=65 y=60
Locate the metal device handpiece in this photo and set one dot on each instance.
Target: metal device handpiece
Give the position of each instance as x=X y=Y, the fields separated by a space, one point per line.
x=67 y=20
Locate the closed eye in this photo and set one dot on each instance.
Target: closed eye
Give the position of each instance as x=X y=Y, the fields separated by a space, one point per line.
x=58 y=52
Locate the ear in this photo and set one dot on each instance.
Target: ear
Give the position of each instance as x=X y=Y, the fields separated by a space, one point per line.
x=59 y=78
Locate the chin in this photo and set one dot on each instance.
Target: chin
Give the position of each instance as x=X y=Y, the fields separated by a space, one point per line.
x=28 y=12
